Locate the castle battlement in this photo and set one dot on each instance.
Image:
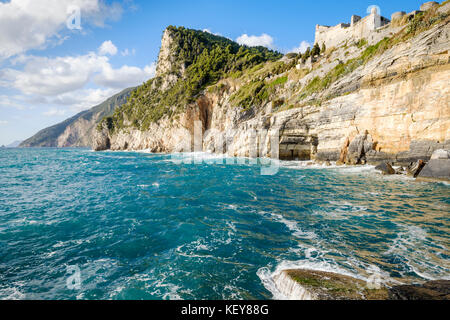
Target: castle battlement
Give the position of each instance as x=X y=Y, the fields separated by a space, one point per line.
x=373 y=28
x=357 y=29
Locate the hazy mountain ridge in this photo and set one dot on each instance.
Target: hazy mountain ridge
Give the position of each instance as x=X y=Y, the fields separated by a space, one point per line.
x=78 y=130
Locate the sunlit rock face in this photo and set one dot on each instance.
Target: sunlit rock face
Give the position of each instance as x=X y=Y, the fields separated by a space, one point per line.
x=393 y=108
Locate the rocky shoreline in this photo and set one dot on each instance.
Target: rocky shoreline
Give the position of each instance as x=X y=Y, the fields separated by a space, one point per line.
x=392 y=109
x=304 y=284
x=436 y=169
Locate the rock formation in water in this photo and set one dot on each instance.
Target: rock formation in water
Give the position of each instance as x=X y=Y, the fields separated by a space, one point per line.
x=303 y=284
x=79 y=130
x=438 y=168
x=380 y=98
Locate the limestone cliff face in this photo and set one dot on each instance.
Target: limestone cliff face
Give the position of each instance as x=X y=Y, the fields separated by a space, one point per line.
x=394 y=107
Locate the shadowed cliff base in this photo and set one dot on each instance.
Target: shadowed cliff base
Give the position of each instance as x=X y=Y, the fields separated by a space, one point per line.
x=372 y=100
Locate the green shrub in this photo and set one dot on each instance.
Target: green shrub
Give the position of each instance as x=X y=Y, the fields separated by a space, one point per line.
x=206 y=58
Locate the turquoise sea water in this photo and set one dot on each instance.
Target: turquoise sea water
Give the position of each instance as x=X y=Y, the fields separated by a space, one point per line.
x=139 y=226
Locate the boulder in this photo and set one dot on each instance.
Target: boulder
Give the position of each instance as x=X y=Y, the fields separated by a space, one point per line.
x=440 y=154
x=304 y=284
x=385 y=168
x=357 y=149
x=415 y=168
x=432 y=290
x=436 y=170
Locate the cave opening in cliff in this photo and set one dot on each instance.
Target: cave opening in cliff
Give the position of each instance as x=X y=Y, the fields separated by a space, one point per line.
x=298 y=148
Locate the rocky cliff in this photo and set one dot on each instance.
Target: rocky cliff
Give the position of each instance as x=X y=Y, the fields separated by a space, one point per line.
x=303 y=284
x=79 y=130
x=354 y=104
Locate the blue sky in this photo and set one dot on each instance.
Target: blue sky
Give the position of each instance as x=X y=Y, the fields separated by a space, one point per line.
x=49 y=72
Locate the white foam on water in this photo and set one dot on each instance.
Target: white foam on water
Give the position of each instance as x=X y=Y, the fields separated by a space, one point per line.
x=415 y=248
x=342 y=210
x=291 y=225
x=357 y=169
x=190 y=250
x=11 y=293
x=172 y=293
x=230 y=292
x=231 y=231
x=268 y=277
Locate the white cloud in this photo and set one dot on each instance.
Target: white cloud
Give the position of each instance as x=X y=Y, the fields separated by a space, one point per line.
x=47 y=77
x=70 y=83
x=209 y=31
x=253 y=41
x=107 y=48
x=43 y=76
x=54 y=112
x=301 y=48
x=126 y=76
x=80 y=100
x=127 y=52
x=8 y=102
x=3 y=122
x=31 y=24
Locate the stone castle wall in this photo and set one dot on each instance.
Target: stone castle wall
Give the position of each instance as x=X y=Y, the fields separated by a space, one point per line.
x=373 y=28
x=357 y=30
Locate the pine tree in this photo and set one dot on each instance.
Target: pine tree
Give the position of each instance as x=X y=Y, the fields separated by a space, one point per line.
x=316 y=50
x=306 y=55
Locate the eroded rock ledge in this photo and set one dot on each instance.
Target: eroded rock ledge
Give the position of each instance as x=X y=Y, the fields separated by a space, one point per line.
x=303 y=284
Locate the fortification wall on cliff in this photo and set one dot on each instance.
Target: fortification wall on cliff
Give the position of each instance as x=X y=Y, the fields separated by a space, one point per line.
x=370 y=28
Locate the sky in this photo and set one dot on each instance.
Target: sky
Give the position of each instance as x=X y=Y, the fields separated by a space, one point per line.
x=60 y=57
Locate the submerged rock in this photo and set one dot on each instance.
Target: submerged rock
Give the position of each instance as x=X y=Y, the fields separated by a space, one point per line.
x=319 y=285
x=432 y=290
x=385 y=168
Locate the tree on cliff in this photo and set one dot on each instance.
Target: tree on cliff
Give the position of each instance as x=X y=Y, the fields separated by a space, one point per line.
x=306 y=55
x=316 y=50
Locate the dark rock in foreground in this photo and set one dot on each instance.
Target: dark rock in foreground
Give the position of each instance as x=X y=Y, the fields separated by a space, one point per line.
x=438 y=168
x=305 y=284
x=385 y=168
x=432 y=290
x=415 y=168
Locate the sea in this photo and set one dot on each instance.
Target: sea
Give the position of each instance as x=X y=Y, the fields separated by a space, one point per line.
x=77 y=224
